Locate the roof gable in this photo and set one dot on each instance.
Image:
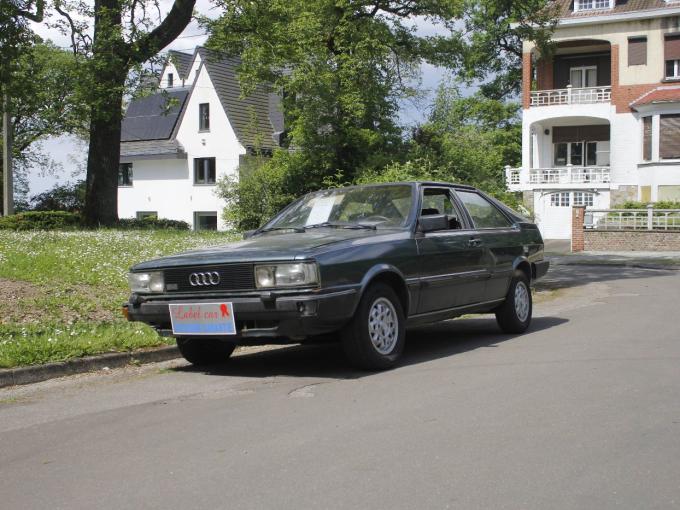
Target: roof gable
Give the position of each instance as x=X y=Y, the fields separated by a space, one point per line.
x=182 y=62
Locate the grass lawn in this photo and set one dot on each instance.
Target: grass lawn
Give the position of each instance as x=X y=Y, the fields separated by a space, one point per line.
x=61 y=292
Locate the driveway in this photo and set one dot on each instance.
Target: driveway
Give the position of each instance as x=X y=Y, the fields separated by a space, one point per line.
x=581 y=412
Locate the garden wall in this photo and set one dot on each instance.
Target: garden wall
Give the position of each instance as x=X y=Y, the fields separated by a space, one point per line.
x=623 y=240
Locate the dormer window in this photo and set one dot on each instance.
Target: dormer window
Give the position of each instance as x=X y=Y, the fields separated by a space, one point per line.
x=591 y=5
x=171 y=80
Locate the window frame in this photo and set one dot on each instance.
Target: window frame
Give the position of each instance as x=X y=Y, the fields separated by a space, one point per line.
x=141 y=215
x=205 y=181
x=510 y=221
x=676 y=69
x=456 y=204
x=129 y=175
x=584 y=76
x=638 y=39
x=592 y=5
x=171 y=80
x=199 y=214
x=560 y=199
x=587 y=199
x=204 y=118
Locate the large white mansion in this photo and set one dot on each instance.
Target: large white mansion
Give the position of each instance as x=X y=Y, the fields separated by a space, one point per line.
x=601 y=118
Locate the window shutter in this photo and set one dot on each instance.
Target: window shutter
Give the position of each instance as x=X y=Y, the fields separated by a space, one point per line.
x=592 y=133
x=669 y=141
x=647 y=138
x=672 y=47
x=637 y=51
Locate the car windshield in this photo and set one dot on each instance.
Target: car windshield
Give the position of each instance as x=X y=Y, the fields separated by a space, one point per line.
x=358 y=207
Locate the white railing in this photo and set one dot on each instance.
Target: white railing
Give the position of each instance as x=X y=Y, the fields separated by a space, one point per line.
x=632 y=219
x=571 y=95
x=559 y=175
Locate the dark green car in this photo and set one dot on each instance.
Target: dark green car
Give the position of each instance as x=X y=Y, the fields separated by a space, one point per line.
x=359 y=263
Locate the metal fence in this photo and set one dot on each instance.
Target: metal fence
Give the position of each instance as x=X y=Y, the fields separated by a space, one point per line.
x=632 y=219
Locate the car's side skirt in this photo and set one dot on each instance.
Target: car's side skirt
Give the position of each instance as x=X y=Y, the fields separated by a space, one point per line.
x=450 y=313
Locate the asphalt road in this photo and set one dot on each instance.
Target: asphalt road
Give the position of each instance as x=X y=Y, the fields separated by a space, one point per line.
x=581 y=412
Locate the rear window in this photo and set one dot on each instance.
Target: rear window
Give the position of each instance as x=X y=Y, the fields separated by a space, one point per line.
x=483 y=213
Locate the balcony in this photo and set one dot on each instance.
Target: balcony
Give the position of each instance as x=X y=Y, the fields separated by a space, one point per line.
x=571 y=96
x=519 y=179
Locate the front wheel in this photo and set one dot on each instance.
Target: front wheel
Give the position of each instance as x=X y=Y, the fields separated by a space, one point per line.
x=514 y=315
x=204 y=351
x=374 y=339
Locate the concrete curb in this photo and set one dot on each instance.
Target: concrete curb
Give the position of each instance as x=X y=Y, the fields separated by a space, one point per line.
x=631 y=264
x=33 y=374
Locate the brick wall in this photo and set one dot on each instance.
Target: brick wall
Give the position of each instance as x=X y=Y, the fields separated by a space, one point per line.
x=577 y=217
x=526 y=80
x=622 y=240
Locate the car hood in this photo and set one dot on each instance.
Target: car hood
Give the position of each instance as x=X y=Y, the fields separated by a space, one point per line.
x=264 y=248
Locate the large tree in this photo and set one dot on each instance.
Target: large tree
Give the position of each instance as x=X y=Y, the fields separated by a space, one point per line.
x=123 y=39
x=342 y=67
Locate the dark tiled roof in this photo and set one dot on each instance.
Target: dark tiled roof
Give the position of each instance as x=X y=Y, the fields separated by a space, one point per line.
x=565 y=8
x=153 y=117
x=256 y=118
x=663 y=94
x=182 y=62
x=152 y=149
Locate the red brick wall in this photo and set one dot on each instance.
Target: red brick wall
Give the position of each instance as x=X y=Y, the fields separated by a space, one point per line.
x=526 y=80
x=623 y=95
x=577 y=214
x=622 y=240
x=545 y=74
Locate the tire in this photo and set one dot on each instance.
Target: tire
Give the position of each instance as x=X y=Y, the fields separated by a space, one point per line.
x=374 y=339
x=514 y=315
x=204 y=351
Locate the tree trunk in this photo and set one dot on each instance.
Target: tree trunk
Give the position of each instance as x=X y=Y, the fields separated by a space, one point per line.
x=101 y=204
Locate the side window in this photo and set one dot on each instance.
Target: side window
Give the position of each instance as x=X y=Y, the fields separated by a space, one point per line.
x=438 y=201
x=483 y=213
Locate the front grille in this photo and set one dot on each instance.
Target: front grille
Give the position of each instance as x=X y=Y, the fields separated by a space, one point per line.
x=232 y=277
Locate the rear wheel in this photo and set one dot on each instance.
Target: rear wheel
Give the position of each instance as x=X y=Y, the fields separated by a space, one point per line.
x=514 y=315
x=375 y=337
x=204 y=351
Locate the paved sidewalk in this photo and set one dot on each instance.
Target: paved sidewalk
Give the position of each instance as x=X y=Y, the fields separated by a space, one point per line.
x=642 y=259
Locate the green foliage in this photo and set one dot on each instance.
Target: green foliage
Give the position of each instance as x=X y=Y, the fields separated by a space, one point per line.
x=661 y=204
x=151 y=223
x=41 y=220
x=65 y=197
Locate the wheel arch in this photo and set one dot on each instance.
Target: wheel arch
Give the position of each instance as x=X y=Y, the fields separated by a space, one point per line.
x=523 y=264
x=391 y=276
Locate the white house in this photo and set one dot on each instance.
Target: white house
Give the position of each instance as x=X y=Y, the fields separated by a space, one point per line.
x=601 y=117
x=177 y=143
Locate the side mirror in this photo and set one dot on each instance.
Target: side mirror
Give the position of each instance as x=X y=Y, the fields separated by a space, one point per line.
x=434 y=222
x=248 y=233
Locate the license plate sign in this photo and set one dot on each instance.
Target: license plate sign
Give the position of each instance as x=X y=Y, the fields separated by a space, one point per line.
x=210 y=319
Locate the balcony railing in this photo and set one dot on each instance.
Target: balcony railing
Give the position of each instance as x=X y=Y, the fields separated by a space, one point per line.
x=562 y=175
x=570 y=95
x=632 y=219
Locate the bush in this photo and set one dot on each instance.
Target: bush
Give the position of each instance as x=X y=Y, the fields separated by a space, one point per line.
x=41 y=220
x=152 y=223
x=66 y=197
x=663 y=204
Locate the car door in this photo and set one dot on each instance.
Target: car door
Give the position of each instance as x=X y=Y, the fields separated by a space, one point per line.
x=452 y=270
x=499 y=236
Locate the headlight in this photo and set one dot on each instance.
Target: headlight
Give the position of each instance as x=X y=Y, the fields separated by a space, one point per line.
x=286 y=275
x=146 y=282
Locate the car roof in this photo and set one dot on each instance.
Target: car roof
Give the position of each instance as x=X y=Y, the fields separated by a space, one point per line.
x=405 y=183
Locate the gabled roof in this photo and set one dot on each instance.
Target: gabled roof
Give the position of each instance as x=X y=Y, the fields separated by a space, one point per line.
x=182 y=62
x=565 y=8
x=153 y=117
x=662 y=94
x=256 y=118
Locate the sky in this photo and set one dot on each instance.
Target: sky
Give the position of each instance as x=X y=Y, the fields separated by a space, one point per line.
x=70 y=154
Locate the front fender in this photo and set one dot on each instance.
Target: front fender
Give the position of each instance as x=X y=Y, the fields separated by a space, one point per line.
x=391 y=274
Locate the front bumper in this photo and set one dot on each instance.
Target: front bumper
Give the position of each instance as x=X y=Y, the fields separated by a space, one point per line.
x=266 y=316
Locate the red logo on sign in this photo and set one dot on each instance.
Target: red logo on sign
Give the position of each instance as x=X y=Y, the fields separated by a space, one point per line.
x=225 y=310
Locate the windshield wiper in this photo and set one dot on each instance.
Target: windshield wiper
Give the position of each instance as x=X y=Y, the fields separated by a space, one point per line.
x=297 y=230
x=329 y=224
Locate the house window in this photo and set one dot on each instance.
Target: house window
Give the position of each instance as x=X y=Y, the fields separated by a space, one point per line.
x=559 y=200
x=583 y=198
x=580 y=77
x=125 y=175
x=647 y=138
x=589 y=5
x=637 y=51
x=142 y=215
x=672 y=56
x=205 y=220
x=204 y=117
x=204 y=171
x=171 y=80
x=669 y=136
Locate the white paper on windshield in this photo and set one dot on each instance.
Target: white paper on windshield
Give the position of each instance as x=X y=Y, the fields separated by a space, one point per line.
x=321 y=210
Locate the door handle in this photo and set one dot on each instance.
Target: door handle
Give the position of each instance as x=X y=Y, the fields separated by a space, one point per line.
x=474 y=242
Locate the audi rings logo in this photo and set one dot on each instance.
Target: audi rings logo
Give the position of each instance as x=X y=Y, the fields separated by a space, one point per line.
x=204 y=279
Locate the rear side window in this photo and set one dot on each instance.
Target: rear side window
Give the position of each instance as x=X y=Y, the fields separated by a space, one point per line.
x=483 y=213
